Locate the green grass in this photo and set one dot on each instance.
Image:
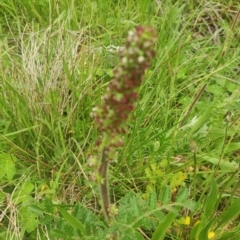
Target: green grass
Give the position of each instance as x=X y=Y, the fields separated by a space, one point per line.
x=181 y=153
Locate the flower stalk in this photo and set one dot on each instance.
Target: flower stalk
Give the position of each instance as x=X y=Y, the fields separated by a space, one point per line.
x=119 y=101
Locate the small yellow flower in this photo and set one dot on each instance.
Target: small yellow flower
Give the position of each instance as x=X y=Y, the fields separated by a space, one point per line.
x=185 y=220
x=211 y=235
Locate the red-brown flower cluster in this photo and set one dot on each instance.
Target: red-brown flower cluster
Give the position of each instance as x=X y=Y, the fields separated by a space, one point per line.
x=121 y=94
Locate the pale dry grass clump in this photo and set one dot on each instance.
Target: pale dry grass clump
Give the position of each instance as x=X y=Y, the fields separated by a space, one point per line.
x=37 y=66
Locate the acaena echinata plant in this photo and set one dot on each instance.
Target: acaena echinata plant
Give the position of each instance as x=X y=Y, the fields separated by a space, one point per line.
x=118 y=102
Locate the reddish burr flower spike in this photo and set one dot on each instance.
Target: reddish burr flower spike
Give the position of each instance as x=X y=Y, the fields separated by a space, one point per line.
x=121 y=94
x=117 y=104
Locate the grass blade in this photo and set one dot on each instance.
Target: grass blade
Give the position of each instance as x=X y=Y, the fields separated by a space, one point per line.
x=211 y=200
x=73 y=221
x=232 y=212
x=161 y=229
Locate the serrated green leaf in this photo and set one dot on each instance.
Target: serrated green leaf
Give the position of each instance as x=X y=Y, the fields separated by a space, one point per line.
x=182 y=196
x=165 y=195
x=211 y=200
x=152 y=200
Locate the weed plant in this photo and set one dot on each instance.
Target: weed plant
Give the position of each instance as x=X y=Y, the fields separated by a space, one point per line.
x=176 y=176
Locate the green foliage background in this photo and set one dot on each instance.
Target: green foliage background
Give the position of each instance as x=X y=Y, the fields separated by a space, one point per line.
x=56 y=59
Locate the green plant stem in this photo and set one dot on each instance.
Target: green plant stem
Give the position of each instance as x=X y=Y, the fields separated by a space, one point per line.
x=104 y=190
x=193 y=104
x=222 y=150
x=194 y=181
x=194 y=175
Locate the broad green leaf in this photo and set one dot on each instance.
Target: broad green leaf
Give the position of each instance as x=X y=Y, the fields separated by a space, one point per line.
x=23 y=194
x=198 y=227
x=22 y=198
x=5 y=235
x=27 y=187
x=31 y=224
x=35 y=209
x=232 y=211
x=156 y=146
x=2 y=198
x=29 y=220
x=7 y=166
x=211 y=199
x=232 y=147
x=204 y=118
x=162 y=228
x=182 y=73
x=204 y=233
x=73 y=221
x=225 y=165
x=217 y=133
x=229 y=235
x=195 y=231
x=216 y=90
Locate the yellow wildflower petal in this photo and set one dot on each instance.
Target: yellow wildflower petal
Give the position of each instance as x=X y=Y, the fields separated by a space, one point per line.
x=185 y=220
x=211 y=235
